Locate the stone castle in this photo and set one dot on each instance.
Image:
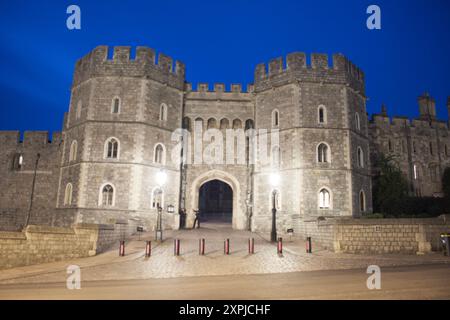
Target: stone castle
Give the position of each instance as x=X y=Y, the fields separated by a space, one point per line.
x=117 y=137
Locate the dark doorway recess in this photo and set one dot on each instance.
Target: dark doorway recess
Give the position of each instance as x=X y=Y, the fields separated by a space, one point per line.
x=216 y=202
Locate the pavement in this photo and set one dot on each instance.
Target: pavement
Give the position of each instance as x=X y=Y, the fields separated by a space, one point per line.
x=109 y=269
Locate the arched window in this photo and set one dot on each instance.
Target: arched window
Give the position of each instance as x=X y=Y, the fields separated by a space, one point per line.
x=159 y=154
x=324 y=199
x=68 y=194
x=163 y=112
x=362 y=201
x=357 y=121
x=115 y=107
x=224 y=123
x=322 y=115
x=112 y=148
x=416 y=172
x=107 y=195
x=211 y=123
x=78 y=111
x=157 y=198
x=237 y=124
x=276 y=156
x=275 y=118
x=360 y=156
x=249 y=124
x=17 y=163
x=198 y=123
x=73 y=151
x=323 y=153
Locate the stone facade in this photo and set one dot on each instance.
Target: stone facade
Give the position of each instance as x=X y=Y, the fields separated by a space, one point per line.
x=118 y=137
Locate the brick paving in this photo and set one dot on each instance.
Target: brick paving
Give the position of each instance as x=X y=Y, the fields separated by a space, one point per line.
x=163 y=263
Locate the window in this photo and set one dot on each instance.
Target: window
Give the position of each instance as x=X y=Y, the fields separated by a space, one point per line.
x=322 y=115
x=324 y=199
x=237 y=124
x=157 y=198
x=78 y=111
x=414 y=146
x=107 y=195
x=187 y=123
x=73 y=151
x=115 y=105
x=276 y=156
x=68 y=194
x=224 y=123
x=112 y=148
x=390 y=145
x=159 y=154
x=431 y=148
x=211 y=123
x=362 y=201
x=357 y=121
x=360 y=156
x=416 y=172
x=163 y=112
x=17 y=161
x=323 y=153
x=445 y=150
x=275 y=118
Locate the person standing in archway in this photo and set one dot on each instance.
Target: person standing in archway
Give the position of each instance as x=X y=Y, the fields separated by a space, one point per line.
x=197 y=219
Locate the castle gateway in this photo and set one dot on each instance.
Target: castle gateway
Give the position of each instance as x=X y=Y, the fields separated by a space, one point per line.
x=114 y=159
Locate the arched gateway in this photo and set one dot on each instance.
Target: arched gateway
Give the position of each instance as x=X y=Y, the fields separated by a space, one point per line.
x=238 y=218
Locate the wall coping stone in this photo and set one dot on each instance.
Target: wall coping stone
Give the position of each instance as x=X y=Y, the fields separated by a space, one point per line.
x=48 y=229
x=12 y=235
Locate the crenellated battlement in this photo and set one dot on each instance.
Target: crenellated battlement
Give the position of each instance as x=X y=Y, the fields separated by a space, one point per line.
x=341 y=70
x=30 y=138
x=97 y=63
x=218 y=88
x=384 y=121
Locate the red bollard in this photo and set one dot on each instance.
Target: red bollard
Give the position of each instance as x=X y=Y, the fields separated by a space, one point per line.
x=148 y=249
x=308 y=245
x=251 y=246
x=280 y=246
x=201 y=247
x=122 y=248
x=176 y=247
x=226 y=247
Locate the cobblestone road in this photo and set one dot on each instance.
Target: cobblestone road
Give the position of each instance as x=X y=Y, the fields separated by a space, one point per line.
x=163 y=263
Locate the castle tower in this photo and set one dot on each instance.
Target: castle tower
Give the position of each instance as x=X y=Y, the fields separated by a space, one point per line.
x=320 y=112
x=427 y=107
x=448 y=110
x=117 y=137
x=384 y=110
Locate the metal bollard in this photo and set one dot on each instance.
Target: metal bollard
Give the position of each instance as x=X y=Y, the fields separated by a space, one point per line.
x=226 y=246
x=280 y=246
x=201 y=247
x=251 y=246
x=176 y=247
x=308 y=245
x=122 y=248
x=148 y=249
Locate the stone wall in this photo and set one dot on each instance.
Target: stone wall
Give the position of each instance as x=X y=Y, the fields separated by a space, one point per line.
x=41 y=244
x=378 y=236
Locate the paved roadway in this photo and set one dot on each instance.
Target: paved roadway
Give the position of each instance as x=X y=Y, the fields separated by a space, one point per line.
x=405 y=282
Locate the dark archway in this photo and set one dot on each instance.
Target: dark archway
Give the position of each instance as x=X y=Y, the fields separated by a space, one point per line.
x=215 y=202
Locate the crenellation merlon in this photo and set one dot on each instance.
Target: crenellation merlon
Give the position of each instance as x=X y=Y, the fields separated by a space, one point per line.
x=234 y=88
x=30 y=138
x=342 y=71
x=97 y=63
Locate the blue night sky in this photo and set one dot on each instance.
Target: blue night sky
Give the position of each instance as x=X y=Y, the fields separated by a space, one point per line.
x=222 y=41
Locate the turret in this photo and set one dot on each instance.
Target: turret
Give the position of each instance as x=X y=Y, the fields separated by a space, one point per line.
x=384 y=110
x=427 y=107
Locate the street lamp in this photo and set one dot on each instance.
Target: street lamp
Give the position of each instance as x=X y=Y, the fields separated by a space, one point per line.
x=161 y=177
x=274 y=181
